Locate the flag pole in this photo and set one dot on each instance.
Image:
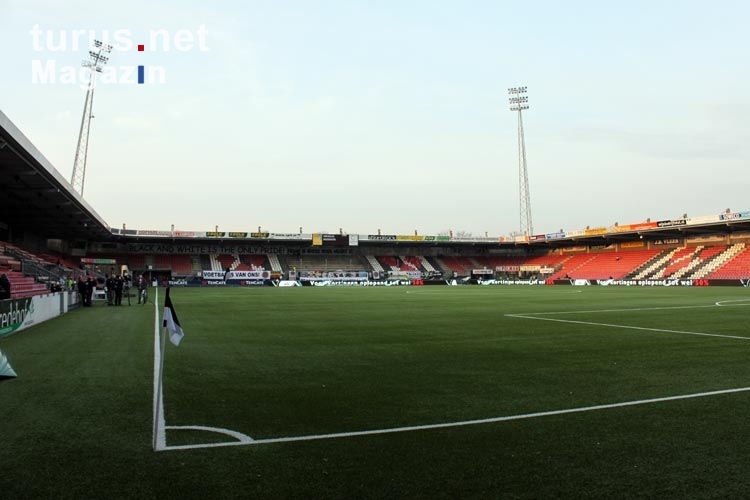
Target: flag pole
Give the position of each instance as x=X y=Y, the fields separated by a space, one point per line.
x=159 y=420
x=170 y=325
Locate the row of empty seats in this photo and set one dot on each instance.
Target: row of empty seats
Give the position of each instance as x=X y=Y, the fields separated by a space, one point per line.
x=602 y=266
x=737 y=267
x=23 y=286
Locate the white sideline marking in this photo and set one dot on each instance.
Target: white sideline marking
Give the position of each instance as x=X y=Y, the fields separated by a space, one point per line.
x=414 y=428
x=613 y=310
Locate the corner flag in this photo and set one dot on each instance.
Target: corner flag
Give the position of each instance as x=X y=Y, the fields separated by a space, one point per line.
x=171 y=322
x=6 y=371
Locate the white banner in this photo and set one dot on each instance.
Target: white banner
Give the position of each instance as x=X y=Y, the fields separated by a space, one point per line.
x=289 y=236
x=236 y=275
x=336 y=278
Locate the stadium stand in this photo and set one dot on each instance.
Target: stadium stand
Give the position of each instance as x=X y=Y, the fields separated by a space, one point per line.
x=253 y=263
x=222 y=262
x=24 y=286
x=136 y=261
x=410 y=263
x=275 y=263
x=179 y=265
x=374 y=264
x=736 y=265
x=569 y=266
x=497 y=261
x=692 y=262
x=701 y=259
x=389 y=262
x=10 y=263
x=617 y=266
x=677 y=261
x=30 y=274
x=195 y=265
x=427 y=265
x=205 y=262
x=460 y=265
x=328 y=263
x=658 y=262
x=553 y=260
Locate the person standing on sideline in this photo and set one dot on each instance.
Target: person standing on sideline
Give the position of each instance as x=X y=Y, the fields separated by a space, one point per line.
x=118 y=290
x=82 y=290
x=90 y=285
x=142 y=290
x=109 y=288
x=4 y=287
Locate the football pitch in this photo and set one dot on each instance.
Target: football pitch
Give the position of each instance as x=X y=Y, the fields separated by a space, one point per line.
x=392 y=392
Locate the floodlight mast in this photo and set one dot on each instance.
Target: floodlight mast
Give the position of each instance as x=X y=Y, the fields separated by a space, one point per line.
x=519 y=102
x=95 y=62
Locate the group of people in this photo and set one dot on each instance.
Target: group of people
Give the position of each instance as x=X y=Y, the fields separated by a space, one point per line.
x=114 y=286
x=86 y=286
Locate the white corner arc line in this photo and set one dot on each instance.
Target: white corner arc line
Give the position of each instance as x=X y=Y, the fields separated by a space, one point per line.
x=242 y=438
x=742 y=302
x=462 y=423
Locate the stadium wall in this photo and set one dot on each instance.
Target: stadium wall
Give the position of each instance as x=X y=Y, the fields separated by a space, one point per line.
x=19 y=314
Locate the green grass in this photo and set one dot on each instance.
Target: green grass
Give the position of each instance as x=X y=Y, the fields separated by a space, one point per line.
x=272 y=363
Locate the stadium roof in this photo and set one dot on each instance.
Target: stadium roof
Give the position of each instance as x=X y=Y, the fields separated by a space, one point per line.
x=724 y=228
x=34 y=196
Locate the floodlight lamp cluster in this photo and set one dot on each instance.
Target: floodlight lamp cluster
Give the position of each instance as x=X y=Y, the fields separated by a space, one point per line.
x=519 y=102
x=96 y=59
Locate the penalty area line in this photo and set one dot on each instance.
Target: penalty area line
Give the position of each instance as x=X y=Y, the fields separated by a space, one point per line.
x=642 y=328
x=415 y=428
x=612 y=310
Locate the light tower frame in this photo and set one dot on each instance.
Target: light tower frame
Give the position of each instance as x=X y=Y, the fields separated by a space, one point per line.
x=519 y=102
x=96 y=61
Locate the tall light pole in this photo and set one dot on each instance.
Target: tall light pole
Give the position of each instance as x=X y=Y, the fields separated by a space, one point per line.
x=96 y=61
x=519 y=102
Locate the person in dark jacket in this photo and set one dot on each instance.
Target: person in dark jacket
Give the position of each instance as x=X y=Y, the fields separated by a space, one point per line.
x=4 y=287
x=118 y=290
x=142 y=290
x=109 y=288
x=90 y=285
x=81 y=284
